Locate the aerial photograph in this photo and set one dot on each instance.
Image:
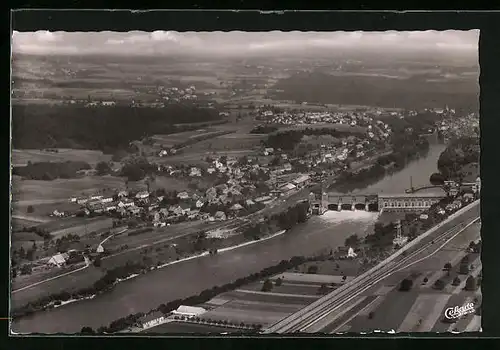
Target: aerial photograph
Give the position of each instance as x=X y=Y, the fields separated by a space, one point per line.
x=245 y=183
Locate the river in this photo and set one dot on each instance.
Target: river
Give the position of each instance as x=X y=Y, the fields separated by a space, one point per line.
x=181 y=280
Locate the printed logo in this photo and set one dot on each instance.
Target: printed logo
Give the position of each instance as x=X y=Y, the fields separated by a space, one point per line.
x=457 y=312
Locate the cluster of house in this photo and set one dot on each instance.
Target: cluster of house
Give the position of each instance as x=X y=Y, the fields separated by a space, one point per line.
x=298 y=183
x=189 y=205
x=376 y=130
x=238 y=193
x=62 y=259
x=176 y=94
x=466 y=126
x=311 y=118
x=350 y=147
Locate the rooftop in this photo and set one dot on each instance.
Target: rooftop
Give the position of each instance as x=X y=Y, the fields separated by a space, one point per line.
x=411 y=195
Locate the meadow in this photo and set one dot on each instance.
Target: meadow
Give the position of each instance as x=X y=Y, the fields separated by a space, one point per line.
x=22 y=157
x=62 y=189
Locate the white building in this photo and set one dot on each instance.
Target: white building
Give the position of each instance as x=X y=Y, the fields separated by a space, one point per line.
x=183 y=195
x=142 y=195
x=152 y=320
x=288 y=187
x=190 y=311
x=106 y=199
x=58 y=260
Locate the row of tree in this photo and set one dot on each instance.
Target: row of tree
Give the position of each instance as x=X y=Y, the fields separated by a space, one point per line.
x=50 y=170
x=285 y=221
x=104 y=284
x=207 y=294
x=458 y=153
x=412 y=93
x=263 y=129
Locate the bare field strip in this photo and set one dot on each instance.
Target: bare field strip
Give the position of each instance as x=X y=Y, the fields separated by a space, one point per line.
x=238 y=142
x=388 y=315
x=42 y=211
x=64 y=189
x=312 y=278
x=452 y=301
x=22 y=157
x=25 y=222
x=247 y=316
x=76 y=224
x=338 y=127
x=85 y=228
x=184 y=327
x=26 y=280
x=427 y=307
x=263 y=306
x=264 y=298
x=69 y=283
x=297 y=289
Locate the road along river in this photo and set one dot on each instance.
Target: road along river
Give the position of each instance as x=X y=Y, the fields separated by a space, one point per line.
x=191 y=277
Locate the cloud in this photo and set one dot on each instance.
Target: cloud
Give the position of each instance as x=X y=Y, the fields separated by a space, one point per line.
x=46 y=36
x=115 y=42
x=235 y=43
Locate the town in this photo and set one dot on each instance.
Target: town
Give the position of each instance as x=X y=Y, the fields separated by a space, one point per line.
x=277 y=206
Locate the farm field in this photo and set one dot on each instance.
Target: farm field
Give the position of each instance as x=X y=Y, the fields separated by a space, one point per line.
x=32 y=191
x=42 y=211
x=250 y=304
x=333 y=268
x=170 y=183
x=17 y=223
x=339 y=127
x=234 y=141
x=236 y=314
x=26 y=280
x=198 y=158
x=76 y=224
x=22 y=157
x=289 y=288
x=312 y=279
x=179 y=138
x=85 y=228
x=184 y=327
x=70 y=283
x=25 y=240
x=156 y=234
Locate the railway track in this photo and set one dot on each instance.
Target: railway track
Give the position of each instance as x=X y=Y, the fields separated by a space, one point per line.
x=307 y=317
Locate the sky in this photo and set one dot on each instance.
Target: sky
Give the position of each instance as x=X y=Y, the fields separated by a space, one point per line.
x=236 y=43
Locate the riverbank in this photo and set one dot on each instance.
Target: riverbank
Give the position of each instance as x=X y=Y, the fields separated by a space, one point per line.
x=57 y=303
x=326 y=232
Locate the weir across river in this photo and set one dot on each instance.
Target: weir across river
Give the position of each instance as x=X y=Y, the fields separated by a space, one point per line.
x=407 y=202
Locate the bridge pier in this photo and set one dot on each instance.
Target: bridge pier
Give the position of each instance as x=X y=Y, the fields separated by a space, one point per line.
x=367 y=206
x=353 y=207
x=339 y=206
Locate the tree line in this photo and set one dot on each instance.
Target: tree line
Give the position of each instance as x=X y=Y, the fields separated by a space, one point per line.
x=458 y=153
x=414 y=92
x=103 y=128
x=285 y=221
x=207 y=294
x=51 y=170
x=104 y=284
x=263 y=129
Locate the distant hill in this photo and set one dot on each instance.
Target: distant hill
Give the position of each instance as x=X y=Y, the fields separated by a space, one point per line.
x=415 y=92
